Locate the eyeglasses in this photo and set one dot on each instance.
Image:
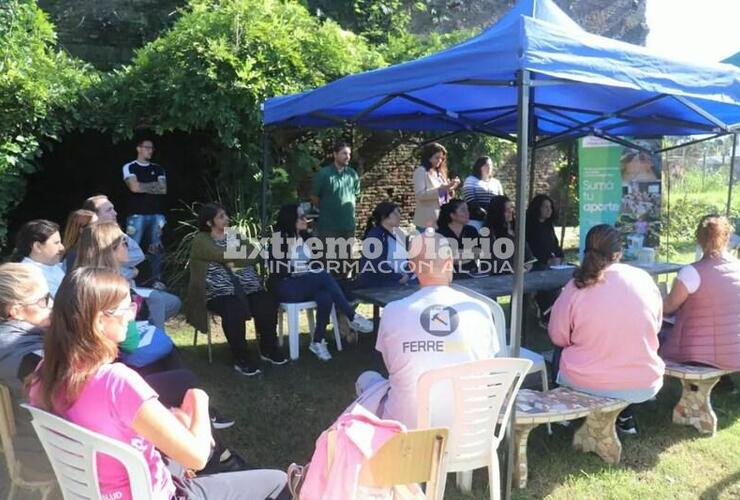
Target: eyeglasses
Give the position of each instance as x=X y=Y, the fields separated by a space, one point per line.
x=121 y=241
x=43 y=302
x=122 y=311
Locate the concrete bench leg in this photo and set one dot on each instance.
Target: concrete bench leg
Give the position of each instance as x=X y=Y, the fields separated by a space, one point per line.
x=521 y=435
x=695 y=406
x=598 y=434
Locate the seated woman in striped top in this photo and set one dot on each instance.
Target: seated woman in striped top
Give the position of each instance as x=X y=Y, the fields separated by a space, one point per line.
x=479 y=187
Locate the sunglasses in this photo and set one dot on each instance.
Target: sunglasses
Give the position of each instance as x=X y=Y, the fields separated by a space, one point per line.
x=122 y=311
x=121 y=241
x=43 y=302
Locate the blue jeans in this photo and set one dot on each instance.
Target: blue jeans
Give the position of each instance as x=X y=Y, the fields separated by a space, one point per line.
x=148 y=227
x=320 y=287
x=162 y=306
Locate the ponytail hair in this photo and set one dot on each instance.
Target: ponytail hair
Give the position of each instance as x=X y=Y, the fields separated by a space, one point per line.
x=381 y=212
x=603 y=248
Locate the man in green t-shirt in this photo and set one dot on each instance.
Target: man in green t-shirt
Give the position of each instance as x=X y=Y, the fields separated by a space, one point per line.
x=334 y=190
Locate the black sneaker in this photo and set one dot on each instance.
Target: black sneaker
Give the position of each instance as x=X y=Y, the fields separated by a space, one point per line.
x=247 y=369
x=276 y=358
x=219 y=421
x=627 y=425
x=231 y=463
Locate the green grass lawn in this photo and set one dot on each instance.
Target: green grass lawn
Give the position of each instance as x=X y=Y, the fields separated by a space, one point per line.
x=280 y=415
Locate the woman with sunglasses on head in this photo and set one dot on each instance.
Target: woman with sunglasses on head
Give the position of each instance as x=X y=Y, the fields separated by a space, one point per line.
x=79 y=380
x=103 y=244
x=295 y=281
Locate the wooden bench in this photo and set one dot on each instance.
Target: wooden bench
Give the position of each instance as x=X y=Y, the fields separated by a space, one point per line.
x=695 y=406
x=598 y=433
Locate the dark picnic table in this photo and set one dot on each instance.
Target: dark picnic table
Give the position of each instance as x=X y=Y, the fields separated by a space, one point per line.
x=500 y=285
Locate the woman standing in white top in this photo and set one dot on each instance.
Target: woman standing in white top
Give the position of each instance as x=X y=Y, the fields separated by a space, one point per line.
x=479 y=187
x=432 y=189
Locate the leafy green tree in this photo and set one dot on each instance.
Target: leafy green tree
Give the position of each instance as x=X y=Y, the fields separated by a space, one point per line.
x=220 y=61
x=40 y=88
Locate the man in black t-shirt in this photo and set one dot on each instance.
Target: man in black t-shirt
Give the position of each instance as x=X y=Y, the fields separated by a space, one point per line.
x=147 y=200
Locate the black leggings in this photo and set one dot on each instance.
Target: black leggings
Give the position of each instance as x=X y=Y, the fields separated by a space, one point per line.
x=172 y=385
x=263 y=307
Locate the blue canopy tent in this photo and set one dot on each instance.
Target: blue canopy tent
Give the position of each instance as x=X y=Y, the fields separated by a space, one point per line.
x=537 y=78
x=733 y=59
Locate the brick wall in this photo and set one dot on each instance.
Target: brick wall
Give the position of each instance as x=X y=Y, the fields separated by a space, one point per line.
x=389 y=178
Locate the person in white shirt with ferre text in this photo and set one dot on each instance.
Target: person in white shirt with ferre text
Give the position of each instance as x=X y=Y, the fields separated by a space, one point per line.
x=435 y=327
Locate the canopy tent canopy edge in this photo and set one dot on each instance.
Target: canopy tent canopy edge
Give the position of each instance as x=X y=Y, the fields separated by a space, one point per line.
x=536 y=78
x=577 y=84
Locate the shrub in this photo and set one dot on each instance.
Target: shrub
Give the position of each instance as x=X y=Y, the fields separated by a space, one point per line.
x=40 y=88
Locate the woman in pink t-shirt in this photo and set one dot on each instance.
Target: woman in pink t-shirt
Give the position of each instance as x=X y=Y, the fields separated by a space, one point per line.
x=79 y=381
x=606 y=321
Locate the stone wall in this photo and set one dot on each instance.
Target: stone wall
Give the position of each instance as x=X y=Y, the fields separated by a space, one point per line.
x=390 y=179
x=105 y=33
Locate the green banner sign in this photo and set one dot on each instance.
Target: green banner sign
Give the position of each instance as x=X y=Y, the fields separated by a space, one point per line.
x=600 y=184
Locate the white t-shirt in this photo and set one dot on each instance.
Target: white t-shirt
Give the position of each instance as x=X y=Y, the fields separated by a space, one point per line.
x=435 y=327
x=300 y=257
x=53 y=274
x=690 y=278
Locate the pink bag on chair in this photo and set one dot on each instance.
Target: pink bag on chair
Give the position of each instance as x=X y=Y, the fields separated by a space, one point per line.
x=358 y=435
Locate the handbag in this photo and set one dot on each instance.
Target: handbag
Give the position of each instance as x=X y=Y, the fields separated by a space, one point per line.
x=296 y=475
x=159 y=346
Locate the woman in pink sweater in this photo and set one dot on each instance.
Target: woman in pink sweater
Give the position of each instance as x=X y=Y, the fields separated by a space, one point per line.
x=606 y=321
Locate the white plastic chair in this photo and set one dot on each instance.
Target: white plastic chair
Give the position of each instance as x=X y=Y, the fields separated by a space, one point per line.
x=293 y=311
x=499 y=321
x=483 y=395
x=72 y=450
x=15 y=467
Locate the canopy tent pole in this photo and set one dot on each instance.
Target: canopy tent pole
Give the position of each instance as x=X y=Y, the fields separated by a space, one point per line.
x=732 y=173
x=266 y=172
x=532 y=170
x=533 y=135
x=668 y=204
x=565 y=193
x=517 y=296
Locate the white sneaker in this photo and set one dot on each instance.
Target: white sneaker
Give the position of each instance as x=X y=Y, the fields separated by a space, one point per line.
x=320 y=350
x=361 y=324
